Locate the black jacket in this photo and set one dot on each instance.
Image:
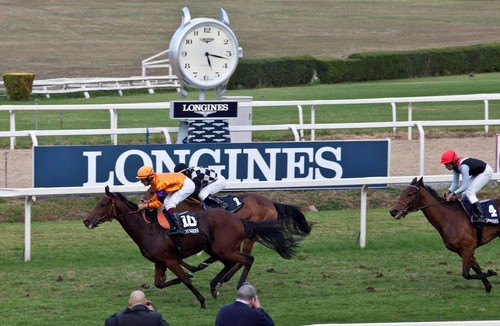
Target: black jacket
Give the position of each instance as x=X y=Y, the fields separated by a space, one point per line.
x=239 y=313
x=138 y=315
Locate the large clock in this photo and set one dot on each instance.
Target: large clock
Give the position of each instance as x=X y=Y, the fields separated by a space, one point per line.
x=204 y=52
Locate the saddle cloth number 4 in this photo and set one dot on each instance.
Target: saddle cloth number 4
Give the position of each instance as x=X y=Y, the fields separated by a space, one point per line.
x=492 y=210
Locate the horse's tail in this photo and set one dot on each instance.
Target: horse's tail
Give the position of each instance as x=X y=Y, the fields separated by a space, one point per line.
x=293 y=219
x=273 y=236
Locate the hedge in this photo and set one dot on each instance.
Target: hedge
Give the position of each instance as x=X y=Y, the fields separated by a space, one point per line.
x=292 y=71
x=18 y=85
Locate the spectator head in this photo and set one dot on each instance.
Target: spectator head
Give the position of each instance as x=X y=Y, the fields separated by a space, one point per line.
x=246 y=292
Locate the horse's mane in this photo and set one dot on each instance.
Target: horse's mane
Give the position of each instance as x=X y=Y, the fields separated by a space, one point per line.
x=434 y=194
x=133 y=206
x=130 y=204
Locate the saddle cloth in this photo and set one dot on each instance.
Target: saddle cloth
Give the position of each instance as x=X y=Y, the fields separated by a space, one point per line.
x=189 y=221
x=489 y=208
x=234 y=203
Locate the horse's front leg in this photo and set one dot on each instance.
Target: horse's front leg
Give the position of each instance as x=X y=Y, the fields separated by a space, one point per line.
x=475 y=266
x=204 y=264
x=468 y=262
x=161 y=278
x=185 y=278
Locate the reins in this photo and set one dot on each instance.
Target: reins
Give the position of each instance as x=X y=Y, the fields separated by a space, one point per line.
x=409 y=209
x=113 y=208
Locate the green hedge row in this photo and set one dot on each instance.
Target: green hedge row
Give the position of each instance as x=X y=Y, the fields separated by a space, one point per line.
x=18 y=85
x=281 y=72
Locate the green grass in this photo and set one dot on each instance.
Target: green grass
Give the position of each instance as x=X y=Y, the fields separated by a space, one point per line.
x=451 y=85
x=80 y=277
x=114 y=36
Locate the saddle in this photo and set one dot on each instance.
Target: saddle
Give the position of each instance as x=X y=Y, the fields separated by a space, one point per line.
x=489 y=208
x=234 y=203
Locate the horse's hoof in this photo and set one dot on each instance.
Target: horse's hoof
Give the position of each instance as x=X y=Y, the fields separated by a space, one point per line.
x=491 y=272
x=214 y=293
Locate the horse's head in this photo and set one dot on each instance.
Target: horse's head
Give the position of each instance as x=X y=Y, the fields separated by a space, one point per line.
x=105 y=210
x=408 y=200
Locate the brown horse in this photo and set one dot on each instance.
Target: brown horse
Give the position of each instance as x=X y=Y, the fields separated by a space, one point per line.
x=256 y=208
x=452 y=223
x=220 y=235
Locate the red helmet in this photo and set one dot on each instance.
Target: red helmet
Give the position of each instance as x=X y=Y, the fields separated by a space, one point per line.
x=145 y=172
x=448 y=157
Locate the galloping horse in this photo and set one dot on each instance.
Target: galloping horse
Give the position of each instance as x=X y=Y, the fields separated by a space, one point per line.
x=255 y=208
x=452 y=223
x=220 y=235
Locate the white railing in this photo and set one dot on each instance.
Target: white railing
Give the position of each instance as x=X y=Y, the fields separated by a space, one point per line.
x=314 y=104
x=364 y=183
x=86 y=85
x=153 y=62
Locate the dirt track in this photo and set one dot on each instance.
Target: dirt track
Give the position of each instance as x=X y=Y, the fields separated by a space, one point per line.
x=404 y=153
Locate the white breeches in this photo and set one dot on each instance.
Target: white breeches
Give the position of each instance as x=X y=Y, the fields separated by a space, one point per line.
x=477 y=183
x=174 y=198
x=212 y=188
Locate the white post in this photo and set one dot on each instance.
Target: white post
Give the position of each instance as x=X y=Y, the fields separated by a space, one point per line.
x=114 y=124
x=12 y=114
x=486 y=114
x=27 y=228
x=362 y=224
x=394 y=116
x=497 y=163
x=410 y=118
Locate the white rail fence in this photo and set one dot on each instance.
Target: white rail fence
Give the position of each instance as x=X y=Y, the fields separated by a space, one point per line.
x=314 y=105
x=47 y=87
x=157 y=62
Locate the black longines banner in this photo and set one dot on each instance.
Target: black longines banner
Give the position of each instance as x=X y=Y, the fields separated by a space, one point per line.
x=304 y=162
x=203 y=110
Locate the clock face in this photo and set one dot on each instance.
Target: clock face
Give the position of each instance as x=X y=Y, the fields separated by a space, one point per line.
x=207 y=54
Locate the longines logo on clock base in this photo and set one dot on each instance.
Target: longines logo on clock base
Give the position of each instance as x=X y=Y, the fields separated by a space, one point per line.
x=203 y=110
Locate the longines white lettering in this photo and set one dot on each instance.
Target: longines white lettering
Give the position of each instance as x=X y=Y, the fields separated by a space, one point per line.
x=247 y=164
x=204 y=107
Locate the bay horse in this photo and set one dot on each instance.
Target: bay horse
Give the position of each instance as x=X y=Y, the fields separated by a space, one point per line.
x=255 y=208
x=452 y=223
x=220 y=236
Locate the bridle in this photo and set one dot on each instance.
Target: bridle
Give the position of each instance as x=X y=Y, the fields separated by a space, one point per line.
x=410 y=209
x=111 y=214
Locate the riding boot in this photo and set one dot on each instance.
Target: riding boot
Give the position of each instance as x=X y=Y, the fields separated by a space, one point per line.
x=177 y=228
x=477 y=215
x=218 y=201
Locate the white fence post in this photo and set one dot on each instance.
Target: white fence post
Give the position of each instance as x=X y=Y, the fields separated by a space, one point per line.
x=27 y=228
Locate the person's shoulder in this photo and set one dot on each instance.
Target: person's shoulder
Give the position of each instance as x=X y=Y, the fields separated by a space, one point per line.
x=112 y=320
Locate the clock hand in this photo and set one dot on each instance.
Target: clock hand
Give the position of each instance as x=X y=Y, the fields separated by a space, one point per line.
x=215 y=55
x=208 y=59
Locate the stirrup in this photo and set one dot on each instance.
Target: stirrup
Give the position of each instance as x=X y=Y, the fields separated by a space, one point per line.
x=176 y=232
x=476 y=219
